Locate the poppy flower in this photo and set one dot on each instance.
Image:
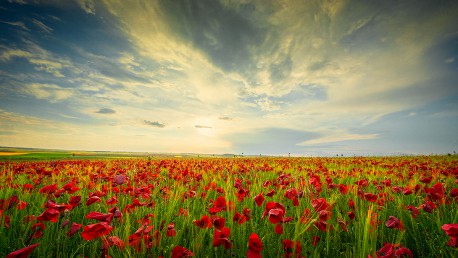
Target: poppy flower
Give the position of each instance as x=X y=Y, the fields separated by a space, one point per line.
x=171 y=230
x=315 y=240
x=220 y=237
x=413 y=211
x=49 y=214
x=48 y=189
x=278 y=229
x=92 y=200
x=259 y=199
x=113 y=241
x=403 y=252
x=320 y=204
x=351 y=215
x=179 y=252
x=239 y=218
x=370 y=197
x=96 y=230
x=22 y=253
x=6 y=222
x=218 y=205
x=75 y=201
x=100 y=216
x=37 y=229
x=75 y=227
x=254 y=246
x=119 y=179
x=219 y=223
x=387 y=251
x=394 y=223
x=112 y=201
x=21 y=205
x=452 y=231
x=204 y=222
x=291 y=248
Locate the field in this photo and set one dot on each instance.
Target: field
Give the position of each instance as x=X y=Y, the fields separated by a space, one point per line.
x=229 y=207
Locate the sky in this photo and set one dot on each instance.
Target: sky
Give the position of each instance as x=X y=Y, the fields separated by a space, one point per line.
x=267 y=77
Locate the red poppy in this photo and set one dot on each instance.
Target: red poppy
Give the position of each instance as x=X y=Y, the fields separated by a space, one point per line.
x=292 y=194
x=387 y=251
x=96 y=230
x=413 y=211
x=370 y=197
x=279 y=229
x=171 y=230
x=204 y=222
x=49 y=214
x=75 y=227
x=351 y=204
x=320 y=204
x=219 y=223
x=239 y=218
x=394 y=223
x=403 y=252
x=112 y=201
x=315 y=240
x=276 y=215
x=221 y=238
x=218 y=205
x=450 y=229
x=351 y=215
x=437 y=193
x=100 y=216
x=119 y=179
x=22 y=253
x=254 y=246
x=92 y=200
x=292 y=248
x=75 y=201
x=48 y=189
x=113 y=240
x=179 y=252
x=454 y=192
x=259 y=199
x=21 y=205
x=37 y=229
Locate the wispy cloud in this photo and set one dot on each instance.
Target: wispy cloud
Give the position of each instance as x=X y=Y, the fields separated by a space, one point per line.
x=42 y=26
x=203 y=126
x=339 y=138
x=50 y=92
x=106 y=111
x=17 y=24
x=154 y=123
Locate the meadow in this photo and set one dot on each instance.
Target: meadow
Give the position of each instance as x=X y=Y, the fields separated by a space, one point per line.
x=230 y=207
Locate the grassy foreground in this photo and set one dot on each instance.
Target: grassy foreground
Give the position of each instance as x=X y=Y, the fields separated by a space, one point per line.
x=222 y=207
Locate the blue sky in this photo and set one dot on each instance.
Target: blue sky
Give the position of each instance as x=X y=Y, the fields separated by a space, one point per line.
x=253 y=77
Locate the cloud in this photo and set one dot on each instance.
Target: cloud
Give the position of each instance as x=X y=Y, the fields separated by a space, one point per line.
x=154 y=123
x=225 y=118
x=17 y=24
x=203 y=126
x=51 y=92
x=42 y=26
x=338 y=138
x=87 y=5
x=41 y=59
x=106 y=111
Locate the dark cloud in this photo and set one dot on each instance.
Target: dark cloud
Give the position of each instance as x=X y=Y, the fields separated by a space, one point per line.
x=154 y=123
x=106 y=111
x=224 y=34
x=202 y=126
x=280 y=71
x=226 y=118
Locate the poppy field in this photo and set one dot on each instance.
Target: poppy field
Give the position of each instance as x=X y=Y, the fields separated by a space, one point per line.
x=230 y=207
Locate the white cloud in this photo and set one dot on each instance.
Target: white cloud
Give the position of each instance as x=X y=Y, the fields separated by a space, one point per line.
x=87 y=5
x=51 y=92
x=42 y=25
x=339 y=138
